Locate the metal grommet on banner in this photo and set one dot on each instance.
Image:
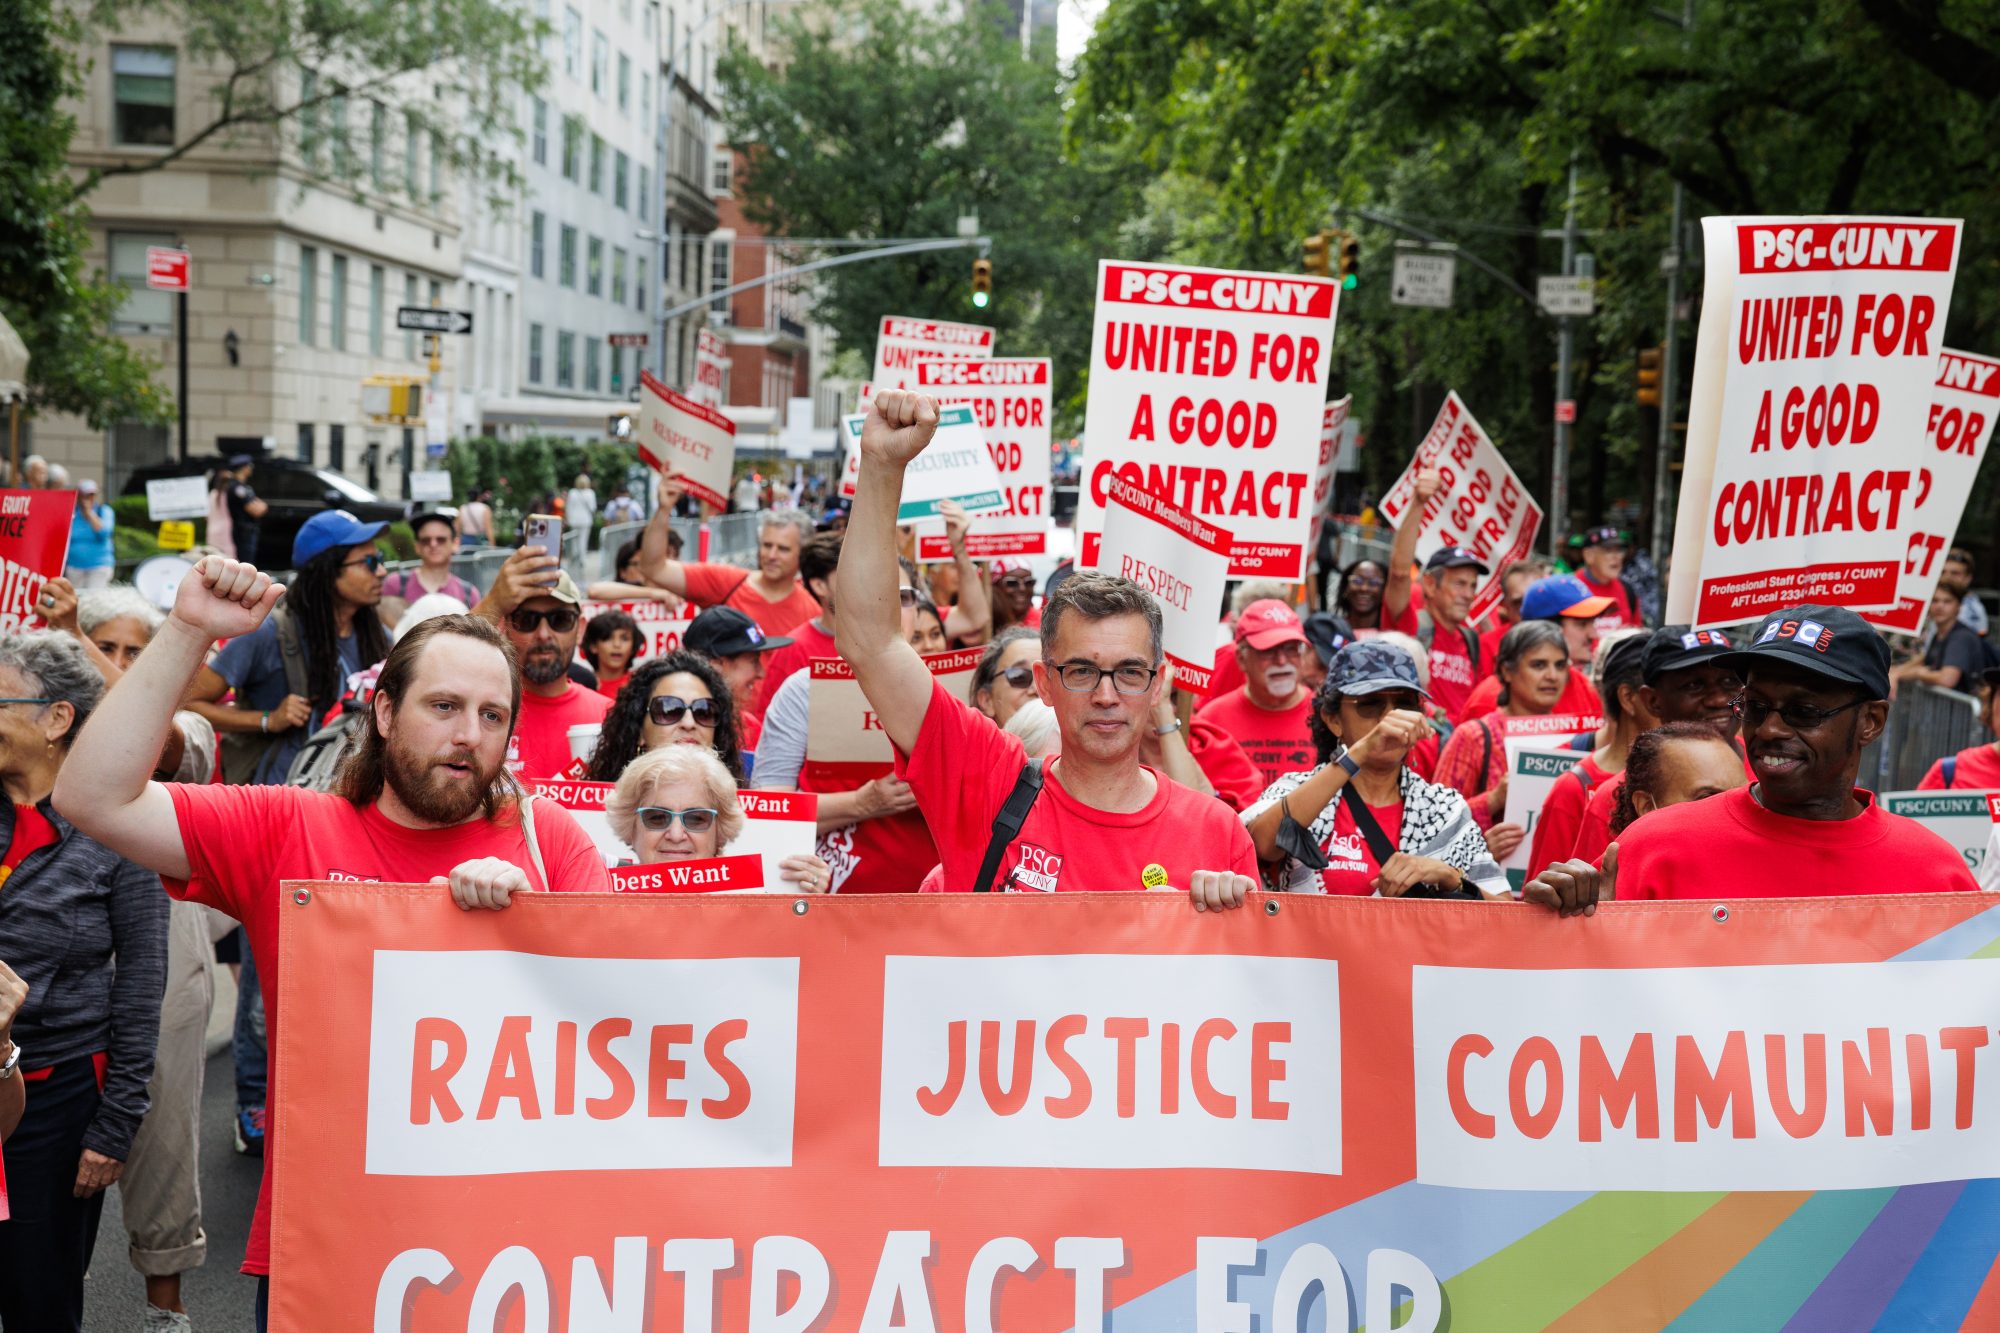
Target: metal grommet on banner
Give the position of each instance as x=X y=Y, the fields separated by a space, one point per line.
x=1720 y=912
x=302 y=896
x=799 y=907
x=1270 y=907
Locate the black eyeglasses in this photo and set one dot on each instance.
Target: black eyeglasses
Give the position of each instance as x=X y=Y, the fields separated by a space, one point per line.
x=658 y=819
x=41 y=702
x=1020 y=675
x=373 y=560
x=667 y=710
x=1795 y=716
x=561 y=620
x=1022 y=584
x=1084 y=677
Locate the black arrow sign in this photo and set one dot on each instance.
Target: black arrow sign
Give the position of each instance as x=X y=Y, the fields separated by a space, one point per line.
x=424 y=319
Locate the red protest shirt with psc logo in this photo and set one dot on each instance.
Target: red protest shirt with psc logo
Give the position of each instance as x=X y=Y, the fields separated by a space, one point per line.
x=962 y=769
x=241 y=841
x=1454 y=675
x=1729 y=846
x=1278 y=740
x=1351 y=866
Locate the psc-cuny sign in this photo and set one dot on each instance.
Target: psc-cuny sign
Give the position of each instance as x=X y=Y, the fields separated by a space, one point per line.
x=901 y=343
x=682 y=438
x=844 y=737
x=1963 y=405
x=1963 y=818
x=1207 y=388
x=955 y=465
x=1534 y=766
x=34 y=545
x=1333 y=425
x=1482 y=504
x=1181 y=560
x=1010 y=398
x=1814 y=375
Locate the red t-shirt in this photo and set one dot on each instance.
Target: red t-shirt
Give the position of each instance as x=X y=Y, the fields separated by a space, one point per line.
x=962 y=769
x=540 y=745
x=808 y=641
x=1728 y=846
x=1978 y=770
x=1228 y=674
x=726 y=585
x=1403 y=624
x=1579 y=699
x=1351 y=865
x=241 y=841
x=749 y=726
x=1236 y=780
x=606 y=685
x=1623 y=613
x=32 y=831
x=1562 y=814
x=1278 y=740
x=1489 y=650
x=1452 y=673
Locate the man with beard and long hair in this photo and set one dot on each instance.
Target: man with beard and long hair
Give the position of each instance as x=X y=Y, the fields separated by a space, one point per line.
x=425 y=797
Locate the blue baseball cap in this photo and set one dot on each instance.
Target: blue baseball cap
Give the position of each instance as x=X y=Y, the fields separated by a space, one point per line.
x=1562 y=595
x=328 y=529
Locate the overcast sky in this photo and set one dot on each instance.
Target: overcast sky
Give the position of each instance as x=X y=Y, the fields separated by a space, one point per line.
x=1073 y=23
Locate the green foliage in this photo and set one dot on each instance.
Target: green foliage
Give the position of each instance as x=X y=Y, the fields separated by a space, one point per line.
x=519 y=472
x=877 y=120
x=61 y=311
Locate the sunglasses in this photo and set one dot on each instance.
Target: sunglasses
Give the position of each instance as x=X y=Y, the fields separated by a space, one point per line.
x=1020 y=676
x=1015 y=583
x=440 y=540
x=561 y=620
x=667 y=710
x=658 y=819
x=373 y=561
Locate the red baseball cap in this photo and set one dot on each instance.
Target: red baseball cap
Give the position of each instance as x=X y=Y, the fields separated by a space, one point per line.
x=1268 y=623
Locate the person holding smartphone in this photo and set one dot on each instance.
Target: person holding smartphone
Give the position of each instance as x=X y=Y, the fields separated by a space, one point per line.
x=540 y=613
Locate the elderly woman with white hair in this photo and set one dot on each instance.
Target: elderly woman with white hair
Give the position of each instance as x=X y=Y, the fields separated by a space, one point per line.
x=678 y=803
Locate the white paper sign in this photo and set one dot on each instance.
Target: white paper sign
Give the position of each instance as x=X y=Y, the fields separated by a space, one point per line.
x=176 y=497
x=776 y=824
x=1963 y=406
x=1010 y=397
x=1182 y=561
x=1814 y=374
x=1207 y=388
x=1533 y=768
x=1482 y=505
x=901 y=343
x=682 y=438
x=844 y=738
x=430 y=487
x=1962 y=818
x=955 y=465
x=585 y=802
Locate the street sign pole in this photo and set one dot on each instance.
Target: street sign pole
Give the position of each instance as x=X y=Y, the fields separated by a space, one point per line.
x=1565 y=359
x=181 y=392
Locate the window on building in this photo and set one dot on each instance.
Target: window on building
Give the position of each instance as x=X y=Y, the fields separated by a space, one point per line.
x=723 y=161
x=437 y=165
x=645 y=208
x=596 y=165
x=538 y=235
x=534 y=354
x=572 y=163
x=618 y=275
x=413 y=138
x=593 y=273
x=143 y=310
x=377 y=132
x=309 y=116
x=142 y=95
x=308 y=295
x=618 y=370
x=341 y=133
x=337 y=305
x=624 y=83
x=621 y=172
x=646 y=100
x=305 y=442
x=565 y=359
x=600 y=63
x=718 y=272
x=541 y=133
x=572 y=42
x=566 y=258
x=377 y=281
x=591 y=369
x=639 y=283
x=336 y=448
x=409 y=298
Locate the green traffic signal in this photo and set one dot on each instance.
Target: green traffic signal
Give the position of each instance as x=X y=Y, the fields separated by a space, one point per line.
x=1349 y=283
x=980 y=299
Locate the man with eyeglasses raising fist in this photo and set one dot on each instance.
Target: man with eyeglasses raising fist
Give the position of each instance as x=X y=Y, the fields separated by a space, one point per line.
x=1101 y=820
x=539 y=611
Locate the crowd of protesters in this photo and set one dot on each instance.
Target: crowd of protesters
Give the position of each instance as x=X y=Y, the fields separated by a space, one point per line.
x=1353 y=740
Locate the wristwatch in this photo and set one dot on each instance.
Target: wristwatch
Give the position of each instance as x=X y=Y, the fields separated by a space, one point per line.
x=1169 y=729
x=1346 y=761
x=13 y=1059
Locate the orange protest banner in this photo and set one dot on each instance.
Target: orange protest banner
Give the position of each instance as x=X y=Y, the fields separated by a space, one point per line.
x=1030 y=1113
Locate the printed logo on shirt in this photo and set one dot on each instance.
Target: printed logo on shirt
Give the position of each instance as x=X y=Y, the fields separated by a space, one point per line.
x=837 y=850
x=1345 y=852
x=349 y=877
x=1456 y=668
x=1038 y=869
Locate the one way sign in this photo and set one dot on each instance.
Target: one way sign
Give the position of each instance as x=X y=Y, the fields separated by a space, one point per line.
x=423 y=319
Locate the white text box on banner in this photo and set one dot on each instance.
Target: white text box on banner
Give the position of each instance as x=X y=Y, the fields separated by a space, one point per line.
x=1964 y=403
x=953 y=466
x=900 y=343
x=1182 y=561
x=34 y=545
x=1808 y=395
x=844 y=737
x=1482 y=504
x=1010 y=398
x=1207 y=388
x=683 y=438
x=1533 y=769
x=1962 y=818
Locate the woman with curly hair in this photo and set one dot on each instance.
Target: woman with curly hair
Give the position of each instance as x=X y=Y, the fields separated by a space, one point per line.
x=1681 y=761
x=678 y=699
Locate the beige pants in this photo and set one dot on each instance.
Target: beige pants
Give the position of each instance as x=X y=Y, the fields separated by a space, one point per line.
x=162 y=1179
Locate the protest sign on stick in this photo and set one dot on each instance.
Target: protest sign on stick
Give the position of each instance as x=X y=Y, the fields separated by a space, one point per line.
x=955 y=465
x=1815 y=370
x=34 y=545
x=1010 y=398
x=1208 y=388
x=1533 y=769
x=844 y=737
x=682 y=438
x=901 y=343
x=1963 y=405
x=1481 y=505
x=1332 y=430
x=711 y=356
x=1178 y=558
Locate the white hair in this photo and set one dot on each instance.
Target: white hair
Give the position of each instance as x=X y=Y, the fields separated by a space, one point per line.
x=430 y=604
x=788 y=517
x=654 y=769
x=120 y=601
x=1034 y=725
x=1416 y=650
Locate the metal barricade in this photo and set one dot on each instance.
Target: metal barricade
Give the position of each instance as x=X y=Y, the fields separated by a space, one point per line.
x=613 y=536
x=480 y=565
x=1925 y=724
x=732 y=538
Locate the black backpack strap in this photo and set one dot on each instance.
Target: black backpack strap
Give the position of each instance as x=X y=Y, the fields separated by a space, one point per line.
x=1471 y=647
x=1486 y=752
x=1950 y=767
x=1007 y=824
x=291 y=651
x=1365 y=821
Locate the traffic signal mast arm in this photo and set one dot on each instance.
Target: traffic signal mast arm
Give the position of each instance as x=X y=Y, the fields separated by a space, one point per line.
x=980 y=243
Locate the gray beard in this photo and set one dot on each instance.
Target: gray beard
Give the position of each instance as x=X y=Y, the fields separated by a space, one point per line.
x=544 y=673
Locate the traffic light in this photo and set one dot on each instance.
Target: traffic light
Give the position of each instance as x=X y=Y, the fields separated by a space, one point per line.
x=1650 y=360
x=1349 y=267
x=1316 y=254
x=982 y=283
